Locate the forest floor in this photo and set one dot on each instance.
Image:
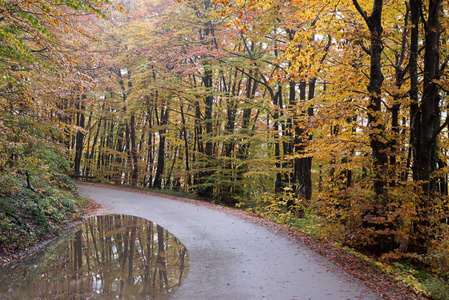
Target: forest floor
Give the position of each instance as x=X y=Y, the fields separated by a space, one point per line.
x=91 y=208
x=354 y=266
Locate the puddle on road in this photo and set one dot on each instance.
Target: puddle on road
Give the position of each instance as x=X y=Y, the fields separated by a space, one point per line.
x=109 y=257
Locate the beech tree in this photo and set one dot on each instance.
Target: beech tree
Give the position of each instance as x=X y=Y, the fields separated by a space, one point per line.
x=43 y=71
x=282 y=106
x=365 y=93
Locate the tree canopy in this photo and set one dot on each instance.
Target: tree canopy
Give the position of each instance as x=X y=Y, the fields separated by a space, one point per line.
x=291 y=109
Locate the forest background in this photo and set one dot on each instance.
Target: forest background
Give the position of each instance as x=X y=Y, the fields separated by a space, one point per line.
x=329 y=116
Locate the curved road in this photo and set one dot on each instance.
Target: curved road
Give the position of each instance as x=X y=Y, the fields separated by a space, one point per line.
x=232 y=258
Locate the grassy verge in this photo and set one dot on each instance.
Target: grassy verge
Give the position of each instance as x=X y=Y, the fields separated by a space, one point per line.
x=420 y=281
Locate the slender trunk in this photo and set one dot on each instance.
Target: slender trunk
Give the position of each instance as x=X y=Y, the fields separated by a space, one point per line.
x=169 y=175
x=79 y=135
x=135 y=170
x=303 y=166
x=277 y=147
x=128 y=161
x=208 y=189
x=377 y=128
x=186 y=145
x=161 y=154
x=86 y=154
x=94 y=142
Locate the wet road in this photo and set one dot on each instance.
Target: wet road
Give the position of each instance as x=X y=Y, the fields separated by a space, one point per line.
x=232 y=258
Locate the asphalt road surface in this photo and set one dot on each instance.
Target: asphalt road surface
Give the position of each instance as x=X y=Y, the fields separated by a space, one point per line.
x=233 y=258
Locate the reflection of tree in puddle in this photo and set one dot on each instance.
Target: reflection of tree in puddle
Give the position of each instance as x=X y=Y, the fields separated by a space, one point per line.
x=112 y=256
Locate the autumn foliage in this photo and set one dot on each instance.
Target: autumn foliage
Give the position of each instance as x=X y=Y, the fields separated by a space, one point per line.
x=42 y=70
x=336 y=109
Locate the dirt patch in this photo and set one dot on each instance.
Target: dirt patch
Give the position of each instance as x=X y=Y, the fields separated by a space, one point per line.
x=92 y=208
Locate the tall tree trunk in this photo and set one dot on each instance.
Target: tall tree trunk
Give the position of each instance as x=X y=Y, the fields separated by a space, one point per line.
x=79 y=135
x=135 y=168
x=275 y=97
x=380 y=232
x=161 y=154
x=128 y=161
x=208 y=189
x=302 y=167
x=430 y=104
x=425 y=115
x=377 y=128
x=186 y=146
x=86 y=154
x=415 y=119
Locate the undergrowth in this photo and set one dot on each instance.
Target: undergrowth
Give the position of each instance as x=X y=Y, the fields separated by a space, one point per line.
x=27 y=214
x=36 y=197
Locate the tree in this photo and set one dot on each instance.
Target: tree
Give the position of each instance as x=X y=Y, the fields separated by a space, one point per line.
x=41 y=73
x=356 y=128
x=242 y=101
